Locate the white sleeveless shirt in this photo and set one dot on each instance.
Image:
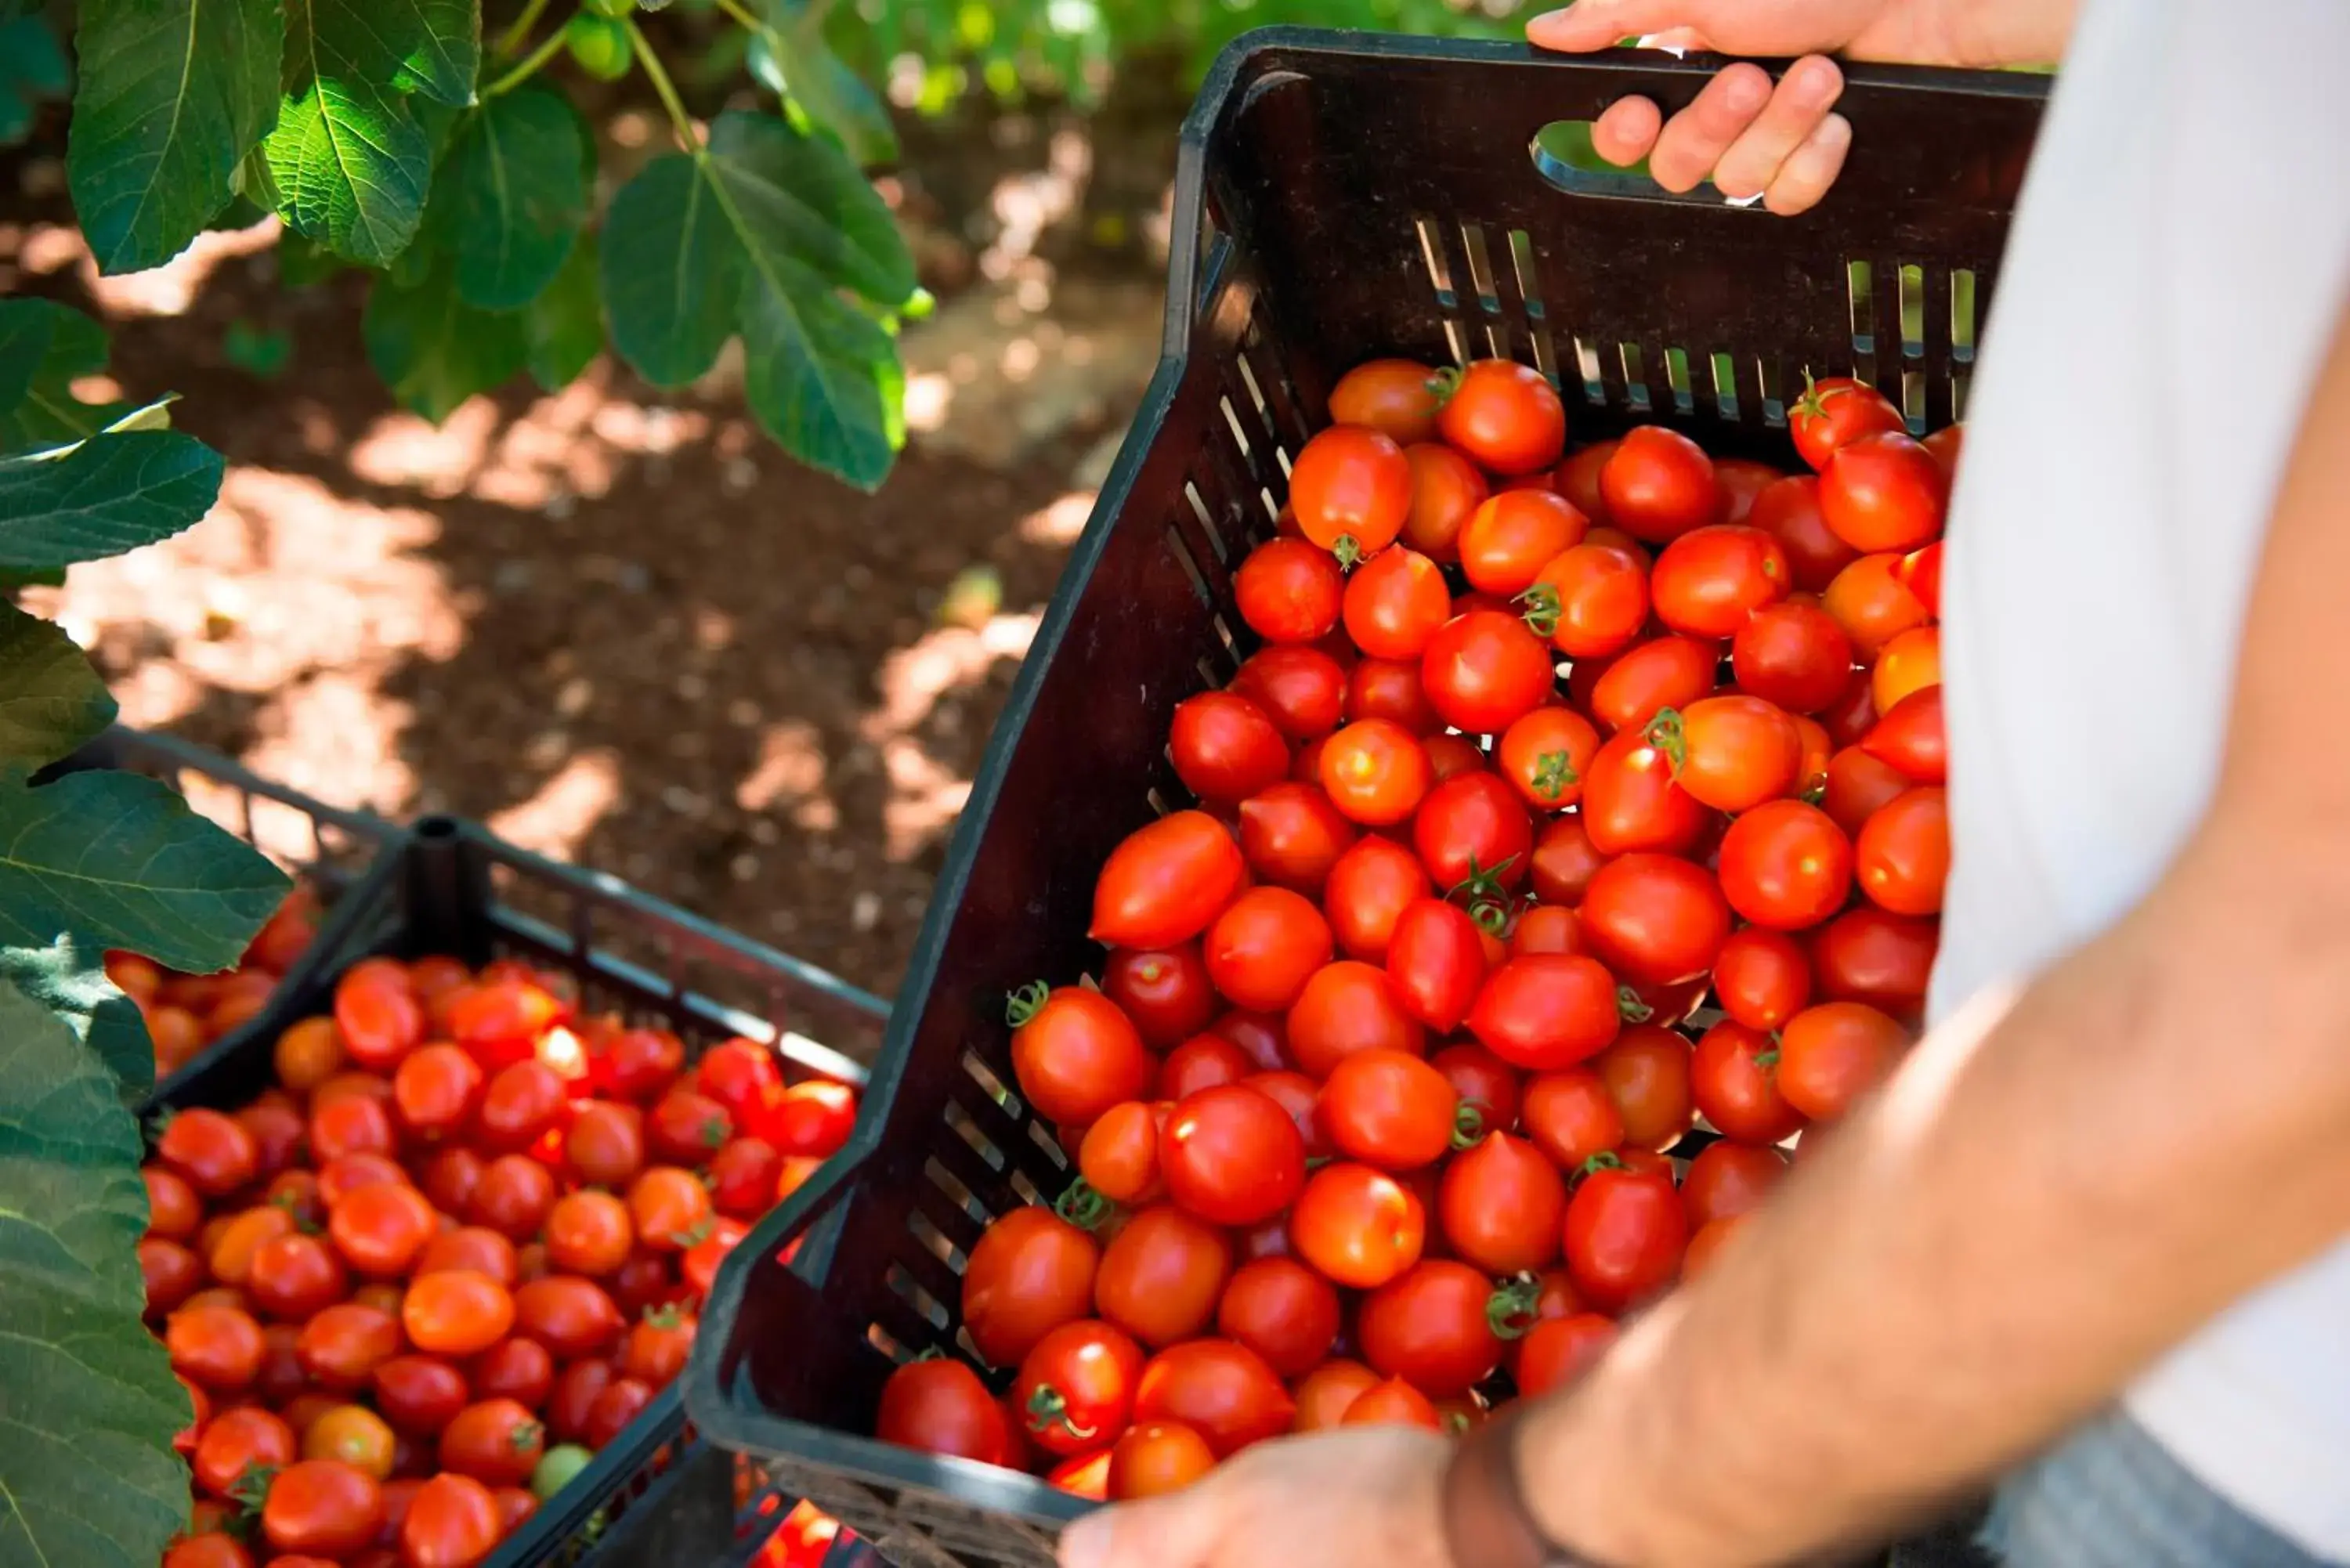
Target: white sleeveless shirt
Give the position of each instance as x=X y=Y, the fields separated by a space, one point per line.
x=2174 y=276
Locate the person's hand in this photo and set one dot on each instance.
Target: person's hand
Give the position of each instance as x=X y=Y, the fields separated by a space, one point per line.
x=1357 y=1495
x=1785 y=144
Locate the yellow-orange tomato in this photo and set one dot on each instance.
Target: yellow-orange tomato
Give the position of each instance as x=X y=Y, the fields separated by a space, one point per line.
x=354 y=1435
x=1870 y=604
x=1909 y=661
x=308 y=1053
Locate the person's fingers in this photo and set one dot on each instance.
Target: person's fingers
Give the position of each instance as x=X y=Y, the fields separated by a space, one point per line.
x=1798 y=104
x=1693 y=140
x=1597 y=24
x=1810 y=169
x=1177 y=1530
x=1626 y=130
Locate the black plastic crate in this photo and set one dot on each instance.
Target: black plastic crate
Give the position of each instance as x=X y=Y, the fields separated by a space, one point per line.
x=654 y=1495
x=1353 y=195
x=327 y=848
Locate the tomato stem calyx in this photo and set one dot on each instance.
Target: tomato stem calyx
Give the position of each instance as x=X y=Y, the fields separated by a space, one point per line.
x=1048 y=1408
x=1443 y=384
x=1513 y=1309
x=1349 y=552
x=1083 y=1205
x=1630 y=1008
x=1606 y=1159
x=1543 y=611
x=1553 y=772
x=1666 y=734
x=1468 y=1123
x=1023 y=1004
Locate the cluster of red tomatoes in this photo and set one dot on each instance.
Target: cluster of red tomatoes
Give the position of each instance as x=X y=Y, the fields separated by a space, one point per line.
x=186 y=1013
x=1539 y=751
x=459 y=1246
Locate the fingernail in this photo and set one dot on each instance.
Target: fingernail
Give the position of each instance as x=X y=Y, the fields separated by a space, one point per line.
x=1085 y=1544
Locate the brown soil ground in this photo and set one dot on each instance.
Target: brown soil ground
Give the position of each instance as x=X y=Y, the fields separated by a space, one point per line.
x=617 y=623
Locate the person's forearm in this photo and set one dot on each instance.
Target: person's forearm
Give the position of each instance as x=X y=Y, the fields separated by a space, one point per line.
x=2038 y=1206
x=2010 y=32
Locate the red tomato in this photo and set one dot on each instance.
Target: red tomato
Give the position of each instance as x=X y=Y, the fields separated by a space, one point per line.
x=1500 y=1203
x=1884 y=491
x=1903 y=853
x=1166 y=881
x=1548 y=928
x=321 y=1507
x=1831 y=1054
x=1731 y=752
x=1565 y=859
x=1028 y=1275
x=1225 y=748
x=1571 y=1115
x=1394 y=1403
x=1303 y=689
x=214 y=1153
x=1300 y=1097
x=940 y=1407
x=1835 y=412
x=1222 y=1390
x=640 y=1064
x=1557 y=1351
x=1794 y=655
x=1484 y=671
x=1261 y=951
x=1474 y=838
x=1508 y=540
x=1544 y=755
x=1375 y=771
x=1762 y=978
x=575 y=1389
x=1578 y=478
x=1202 y=1062
x=1075 y=1388
x=1742 y=481
x=1350 y=489
x=1360 y=1227
x=1732 y=1079
x=237 y=1442
x=1868 y=955
x=459 y=1312
x=1161 y=1276
x=1436 y=962
x=1659 y=484
x=378 y=1019
x=346 y=1174
x=1282 y=1309
x=1118 y=1156
x=1075 y=1053
x=1728 y=1179
x=1909 y=738
x=1483 y=1080
x=1434 y=1327
x=1368 y=889
x=1871 y=606
x=1395 y=602
x=1708 y=581
x=1446 y=489
x=1920 y=571
x=1165 y=994
x=1858 y=784
x=742 y=1178
x=170 y=1272
x=380 y=1227
x=1546 y=1011
x=1324 y=1394
x=1666 y=673
x=622 y=1402
x=1155 y=1459
x=1232 y=1155
x=1292 y=835
x=740 y=1075
x=522 y=1102
x=1786 y=866
x=810 y=1119
x=1289 y=591
x=571 y=1317
x=1262 y=1037
x=1390 y=690
x=1789 y=511
x=688 y=1128
x=1398 y=397
x=514 y=1197
x=1626 y=1232
x=419 y=1395
x=1655 y=919
x=1349 y=1007
x=1590 y=600
x=1504 y=416
x=1647 y=1074
x=1387 y=1109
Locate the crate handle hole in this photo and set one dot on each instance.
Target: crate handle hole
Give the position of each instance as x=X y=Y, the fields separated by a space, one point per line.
x=438 y=828
x=1563 y=155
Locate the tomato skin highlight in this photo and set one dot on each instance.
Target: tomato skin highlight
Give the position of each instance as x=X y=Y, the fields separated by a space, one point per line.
x=1505 y=417
x=1359 y=1227
x=1075 y=1388
x=1232 y=1155
x=1902 y=856
x=1375 y=771
x=1484 y=671
x=1786 y=866
x=1762 y=978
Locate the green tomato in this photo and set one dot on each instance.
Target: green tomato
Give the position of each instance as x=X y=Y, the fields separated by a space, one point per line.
x=601 y=45
x=614 y=8
x=558 y=1468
